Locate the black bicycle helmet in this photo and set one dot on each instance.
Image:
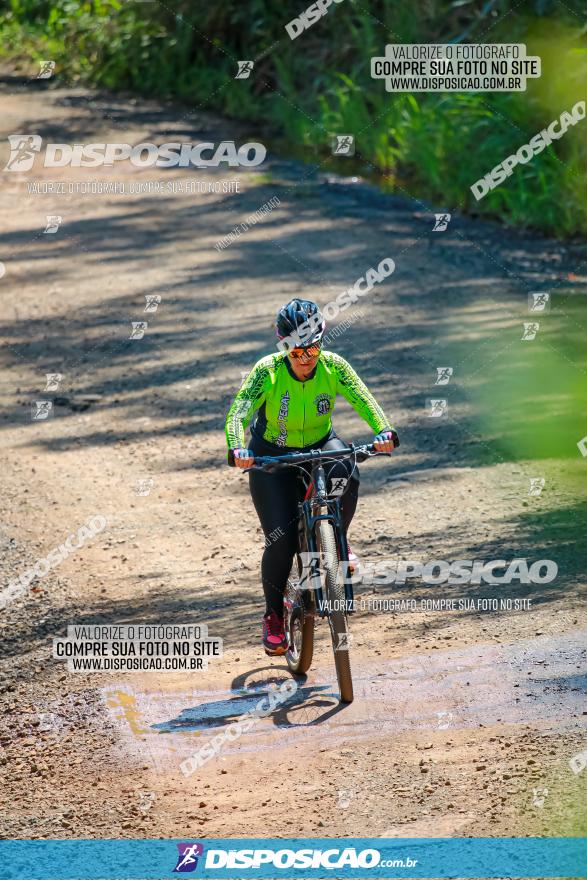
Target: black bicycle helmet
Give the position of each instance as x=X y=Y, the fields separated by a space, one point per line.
x=302 y=320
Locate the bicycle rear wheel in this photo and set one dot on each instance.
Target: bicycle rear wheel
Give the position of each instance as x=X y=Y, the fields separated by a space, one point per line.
x=335 y=597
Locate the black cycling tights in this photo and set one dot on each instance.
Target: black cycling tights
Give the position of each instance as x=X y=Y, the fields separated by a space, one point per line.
x=276 y=497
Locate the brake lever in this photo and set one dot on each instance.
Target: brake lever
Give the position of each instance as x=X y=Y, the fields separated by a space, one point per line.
x=364 y=455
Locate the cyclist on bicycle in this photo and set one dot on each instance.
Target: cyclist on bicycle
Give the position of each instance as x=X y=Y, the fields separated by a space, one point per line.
x=293 y=392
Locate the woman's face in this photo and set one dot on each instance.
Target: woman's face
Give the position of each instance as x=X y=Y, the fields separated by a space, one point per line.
x=304 y=365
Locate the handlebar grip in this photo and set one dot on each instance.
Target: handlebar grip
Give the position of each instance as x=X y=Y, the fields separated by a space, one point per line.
x=395 y=438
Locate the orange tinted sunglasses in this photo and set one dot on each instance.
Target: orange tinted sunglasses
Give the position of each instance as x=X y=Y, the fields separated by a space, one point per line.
x=311 y=351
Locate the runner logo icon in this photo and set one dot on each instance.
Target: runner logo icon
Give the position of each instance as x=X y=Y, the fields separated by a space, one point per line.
x=344 y=145
x=47 y=69
x=187 y=861
x=441 y=222
x=338 y=485
x=41 y=409
x=23 y=149
x=530 y=330
x=444 y=374
x=244 y=69
x=539 y=302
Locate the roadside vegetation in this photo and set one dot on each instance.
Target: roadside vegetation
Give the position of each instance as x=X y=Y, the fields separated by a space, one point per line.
x=304 y=91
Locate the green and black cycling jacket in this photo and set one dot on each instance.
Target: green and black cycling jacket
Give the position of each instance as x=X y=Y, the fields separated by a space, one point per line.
x=297 y=413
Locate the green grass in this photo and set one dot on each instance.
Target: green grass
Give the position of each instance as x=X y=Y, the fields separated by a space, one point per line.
x=433 y=146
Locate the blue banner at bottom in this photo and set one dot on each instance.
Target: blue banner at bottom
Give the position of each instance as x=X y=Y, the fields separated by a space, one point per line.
x=500 y=857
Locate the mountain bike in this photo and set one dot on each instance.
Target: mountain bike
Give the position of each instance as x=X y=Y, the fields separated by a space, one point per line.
x=320 y=580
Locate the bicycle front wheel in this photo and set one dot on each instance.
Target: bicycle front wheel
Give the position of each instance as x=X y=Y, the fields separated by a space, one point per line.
x=335 y=598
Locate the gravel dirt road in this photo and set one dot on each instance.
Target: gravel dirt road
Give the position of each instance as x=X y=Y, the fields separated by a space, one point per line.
x=464 y=722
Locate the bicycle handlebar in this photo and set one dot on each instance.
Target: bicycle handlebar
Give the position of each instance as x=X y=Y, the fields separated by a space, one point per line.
x=315 y=455
x=361 y=453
